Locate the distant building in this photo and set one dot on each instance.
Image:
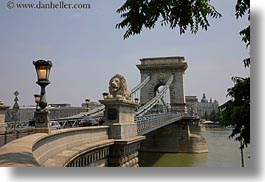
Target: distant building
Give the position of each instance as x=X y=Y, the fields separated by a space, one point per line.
x=56 y=111
x=206 y=106
x=194 y=107
x=23 y=114
x=63 y=112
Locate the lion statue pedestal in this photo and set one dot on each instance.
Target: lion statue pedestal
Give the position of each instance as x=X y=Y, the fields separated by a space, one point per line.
x=120 y=109
x=119 y=116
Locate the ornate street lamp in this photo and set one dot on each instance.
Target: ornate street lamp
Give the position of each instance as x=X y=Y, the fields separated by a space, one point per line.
x=42 y=120
x=136 y=100
x=43 y=72
x=87 y=104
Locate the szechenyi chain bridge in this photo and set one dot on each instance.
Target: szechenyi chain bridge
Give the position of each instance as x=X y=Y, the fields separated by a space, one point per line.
x=130 y=125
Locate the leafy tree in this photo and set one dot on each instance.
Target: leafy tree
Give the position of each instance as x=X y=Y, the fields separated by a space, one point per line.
x=236 y=111
x=212 y=115
x=243 y=8
x=215 y=116
x=137 y=14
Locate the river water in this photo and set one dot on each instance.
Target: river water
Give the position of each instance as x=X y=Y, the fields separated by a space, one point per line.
x=223 y=152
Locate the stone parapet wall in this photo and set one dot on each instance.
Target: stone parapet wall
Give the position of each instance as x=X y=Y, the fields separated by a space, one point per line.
x=18 y=153
x=66 y=139
x=57 y=149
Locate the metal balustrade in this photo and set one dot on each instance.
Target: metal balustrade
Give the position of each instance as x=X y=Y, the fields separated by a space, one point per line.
x=148 y=123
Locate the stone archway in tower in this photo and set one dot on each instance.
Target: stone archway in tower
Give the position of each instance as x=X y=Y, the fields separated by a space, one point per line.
x=164 y=104
x=160 y=70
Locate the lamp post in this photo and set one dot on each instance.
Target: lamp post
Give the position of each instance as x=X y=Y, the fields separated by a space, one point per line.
x=87 y=104
x=42 y=114
x=37 y=100
x=16 y=109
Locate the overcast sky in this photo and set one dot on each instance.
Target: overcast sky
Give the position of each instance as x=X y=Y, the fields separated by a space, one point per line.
x=87 y=50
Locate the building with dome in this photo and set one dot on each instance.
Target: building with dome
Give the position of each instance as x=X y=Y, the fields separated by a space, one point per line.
x=194 y=107
x=206 y=106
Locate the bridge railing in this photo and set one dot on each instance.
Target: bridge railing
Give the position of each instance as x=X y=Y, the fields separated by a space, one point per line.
x=147 y=122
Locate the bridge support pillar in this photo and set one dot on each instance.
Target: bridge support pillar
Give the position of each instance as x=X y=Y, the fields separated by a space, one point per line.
x=178 y=108
x=175 y=138
x=119 y=116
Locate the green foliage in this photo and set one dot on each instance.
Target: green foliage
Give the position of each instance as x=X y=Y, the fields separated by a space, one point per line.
x=236 y=111
x=215 y=116
x=243 y=8
x=137 y=14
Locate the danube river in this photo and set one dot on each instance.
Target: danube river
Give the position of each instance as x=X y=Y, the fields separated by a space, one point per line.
x=223 y=152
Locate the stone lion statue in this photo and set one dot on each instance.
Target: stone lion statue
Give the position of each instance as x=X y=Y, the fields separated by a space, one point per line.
x=118 y=87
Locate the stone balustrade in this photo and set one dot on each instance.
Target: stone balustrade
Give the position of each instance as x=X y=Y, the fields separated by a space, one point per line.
x=57 y=149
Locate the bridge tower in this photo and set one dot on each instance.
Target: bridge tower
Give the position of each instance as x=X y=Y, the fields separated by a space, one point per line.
x=160 y=69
